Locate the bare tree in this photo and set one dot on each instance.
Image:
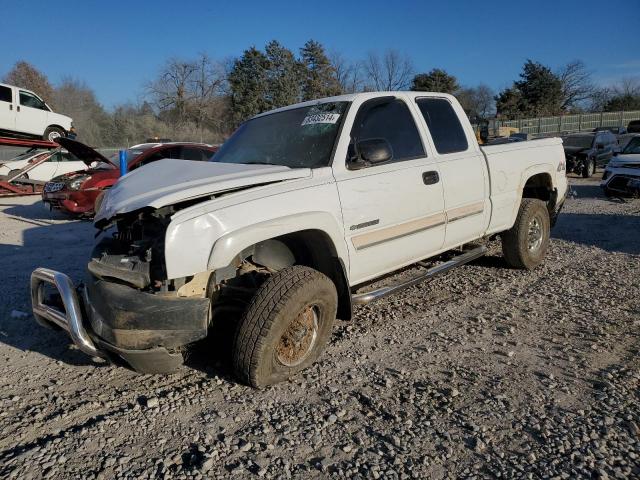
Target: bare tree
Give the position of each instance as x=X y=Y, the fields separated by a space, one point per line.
x=576 y=84
x=485 y=101
x=171 y=90
x=477 y=101
x=349 y=74
x=391 y=71
x=25 y=75
x=205 y=87
x=627 y=86
x=190 y=91
x=76 y=99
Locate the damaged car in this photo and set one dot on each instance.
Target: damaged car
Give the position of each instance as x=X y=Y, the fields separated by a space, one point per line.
x=77 y=192
x=622 y=175
x=584 y=152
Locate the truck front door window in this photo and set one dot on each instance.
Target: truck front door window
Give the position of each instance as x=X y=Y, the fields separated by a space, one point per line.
x=389 y=120
x=29 y=100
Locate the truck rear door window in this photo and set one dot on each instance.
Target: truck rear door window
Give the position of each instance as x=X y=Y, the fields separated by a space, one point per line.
x=444 y=125
x=5 y=94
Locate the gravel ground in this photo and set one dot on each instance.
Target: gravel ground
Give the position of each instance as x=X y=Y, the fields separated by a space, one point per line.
x=484 y=372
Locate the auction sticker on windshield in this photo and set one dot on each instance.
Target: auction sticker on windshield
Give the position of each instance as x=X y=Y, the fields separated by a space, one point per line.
x=321 y=118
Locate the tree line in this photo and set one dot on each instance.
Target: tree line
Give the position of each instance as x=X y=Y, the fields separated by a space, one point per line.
x=204 y=99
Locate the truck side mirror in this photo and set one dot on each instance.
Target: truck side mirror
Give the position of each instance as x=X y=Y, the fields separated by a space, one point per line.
x=374 y=150
x=599 y=146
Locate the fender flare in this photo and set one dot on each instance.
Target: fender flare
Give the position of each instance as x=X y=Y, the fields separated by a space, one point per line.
x=526 y=175
x=230 y=245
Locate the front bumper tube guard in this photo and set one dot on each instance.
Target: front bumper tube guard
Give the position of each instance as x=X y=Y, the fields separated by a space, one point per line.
x=71 y=319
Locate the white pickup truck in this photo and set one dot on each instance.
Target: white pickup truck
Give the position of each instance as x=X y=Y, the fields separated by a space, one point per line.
x=282 y=231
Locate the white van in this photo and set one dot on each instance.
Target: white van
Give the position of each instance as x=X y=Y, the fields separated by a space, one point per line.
x=22 y=112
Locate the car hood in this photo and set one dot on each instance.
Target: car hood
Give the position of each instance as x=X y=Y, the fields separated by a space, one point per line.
x=87 y=154
x=574 y=150
x=628 y=159
x=167 y=182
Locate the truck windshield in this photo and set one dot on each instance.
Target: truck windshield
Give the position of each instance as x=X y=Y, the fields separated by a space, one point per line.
x=633 y=146
x=298 y=138
x=581 y=141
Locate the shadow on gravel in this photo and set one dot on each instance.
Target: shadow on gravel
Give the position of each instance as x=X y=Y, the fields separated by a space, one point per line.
x=35 y=211
x=63 y=246
x=587 y=191
x=614 y=233
x=491 y=261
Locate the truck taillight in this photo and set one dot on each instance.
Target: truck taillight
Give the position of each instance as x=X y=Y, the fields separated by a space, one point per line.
x=562 y=166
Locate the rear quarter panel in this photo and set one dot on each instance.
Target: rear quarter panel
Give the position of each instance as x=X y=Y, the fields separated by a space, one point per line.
x=510 y=166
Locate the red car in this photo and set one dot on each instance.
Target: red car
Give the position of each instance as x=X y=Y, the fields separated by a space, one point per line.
x=77 y=192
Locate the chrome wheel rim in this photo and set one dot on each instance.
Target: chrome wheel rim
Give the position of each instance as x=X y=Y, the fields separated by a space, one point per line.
x=535 y=236
x=53 y=135
x=298 y=340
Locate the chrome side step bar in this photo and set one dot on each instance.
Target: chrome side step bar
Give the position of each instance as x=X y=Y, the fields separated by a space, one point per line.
x=71 y=319
x=368 y=297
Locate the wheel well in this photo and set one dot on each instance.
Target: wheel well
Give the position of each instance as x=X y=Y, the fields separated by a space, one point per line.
x=540 y=186
x=56 y=126
x=314 y=248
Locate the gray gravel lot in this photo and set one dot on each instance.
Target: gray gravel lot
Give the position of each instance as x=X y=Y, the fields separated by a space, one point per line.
x=484 y=372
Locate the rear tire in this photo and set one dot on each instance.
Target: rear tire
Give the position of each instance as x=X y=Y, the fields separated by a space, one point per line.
x=589 y=168
x=286 y=326
x=51 y=133
x=525 y=244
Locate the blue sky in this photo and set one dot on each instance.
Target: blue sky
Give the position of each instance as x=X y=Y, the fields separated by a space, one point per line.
x=116 y=46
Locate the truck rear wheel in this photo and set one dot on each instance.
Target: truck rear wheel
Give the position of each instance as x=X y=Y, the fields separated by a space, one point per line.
x=525 y=244
x=285 y=327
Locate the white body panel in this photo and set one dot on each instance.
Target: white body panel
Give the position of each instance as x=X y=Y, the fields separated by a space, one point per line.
x=47 y=170
x=510 y=166
x=379 y=218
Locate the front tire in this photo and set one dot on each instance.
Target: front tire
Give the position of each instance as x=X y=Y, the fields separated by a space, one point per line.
x=15 y=171
x=286 y=326
x=51 y=133
x=525 y=244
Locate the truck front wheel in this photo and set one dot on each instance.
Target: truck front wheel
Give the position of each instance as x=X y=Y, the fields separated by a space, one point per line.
x=525 y=244
x=285 y=327
x=51 y=133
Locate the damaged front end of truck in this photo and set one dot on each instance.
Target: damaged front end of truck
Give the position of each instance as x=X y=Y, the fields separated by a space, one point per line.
x=127 y=309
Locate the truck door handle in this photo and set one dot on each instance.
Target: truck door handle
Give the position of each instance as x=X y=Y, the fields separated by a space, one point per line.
x=10 y=107
x=429 y=178
x=18 y=108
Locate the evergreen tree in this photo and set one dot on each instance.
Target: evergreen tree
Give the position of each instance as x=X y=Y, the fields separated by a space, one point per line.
x=283 y=76
x=248 y=84
x=319 y=75
x=541 y=90
x=510 y=104
x=437 y=80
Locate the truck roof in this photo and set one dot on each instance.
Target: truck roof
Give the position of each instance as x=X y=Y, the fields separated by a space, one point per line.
x=350 y=97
